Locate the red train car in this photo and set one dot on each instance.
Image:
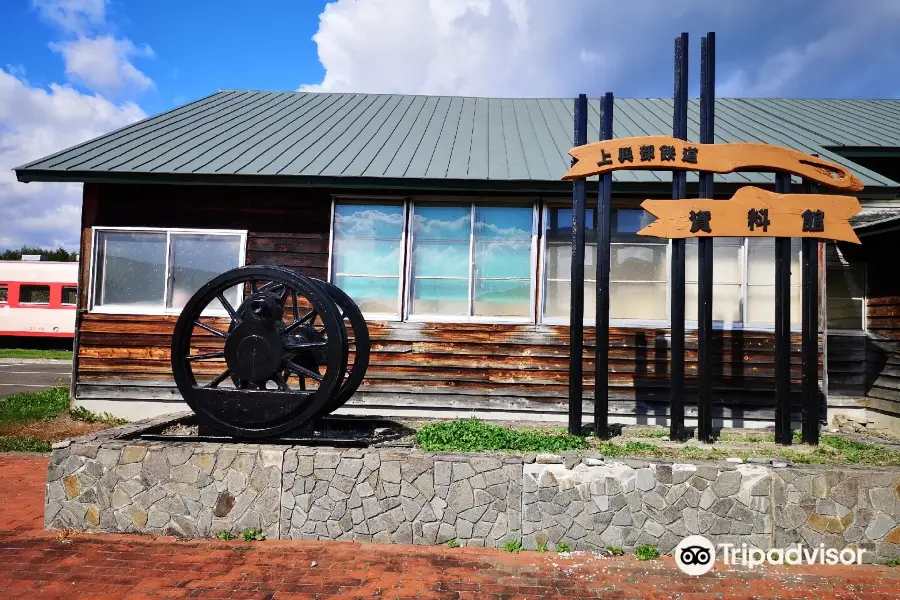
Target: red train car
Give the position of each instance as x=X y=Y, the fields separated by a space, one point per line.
x=38 y=298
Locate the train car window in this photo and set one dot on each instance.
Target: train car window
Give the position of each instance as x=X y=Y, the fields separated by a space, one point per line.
x=34 y=294
x=4 y=292
x=69 y=295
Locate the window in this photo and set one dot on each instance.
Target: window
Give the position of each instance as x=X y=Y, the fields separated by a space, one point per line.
x=638 y=267
x=743 y=282
x=157 y=271
x=4 y=294
x=469 y=261
x=69 y=295
x=34 y=294
x=367 y=255
x=845 y=287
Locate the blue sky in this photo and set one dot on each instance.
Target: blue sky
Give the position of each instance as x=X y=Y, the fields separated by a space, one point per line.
x=71 y=70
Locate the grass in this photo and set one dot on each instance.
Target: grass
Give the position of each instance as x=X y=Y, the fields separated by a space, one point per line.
x=615 y=551
x=472 y=435
x=79 y=413
x=34 y=406
x=35 y=353
x=225 y=536
x=253 y=535
x=893 y=562
x=646 y=552
x=18 y=443
x=512 y=546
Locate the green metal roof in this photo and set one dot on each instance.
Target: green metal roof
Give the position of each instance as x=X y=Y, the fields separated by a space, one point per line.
x=236 y=136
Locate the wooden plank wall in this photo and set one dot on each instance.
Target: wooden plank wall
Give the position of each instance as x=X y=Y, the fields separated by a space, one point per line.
x=883 y=324
x=415 y=365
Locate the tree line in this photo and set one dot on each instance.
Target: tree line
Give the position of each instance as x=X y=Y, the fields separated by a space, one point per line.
x=60 y=254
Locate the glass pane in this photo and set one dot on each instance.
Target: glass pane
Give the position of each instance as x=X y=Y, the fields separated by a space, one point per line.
x=196 y=259
x=726 y=302
x=845 y=314
x=367 y=256
x=845 y=282
x=368 y=220
x=504 y=222
x=627 y=222
x=761 y=304
x=372 y=294
x=638 y=262
x=440 y=259
x=4 y=293
x=443 y=223
x=34 y=294
x=499 y=259
x=502 y=298
x=131 y=268
x=645 y=301
x=761 y=261
x=440 y=297
x=559 y=225
x=559 y=260
x=726 y=260
x=69 y=295
x=556 y=299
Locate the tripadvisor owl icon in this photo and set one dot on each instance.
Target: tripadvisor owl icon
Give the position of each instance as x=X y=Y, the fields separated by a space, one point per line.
x=695 y=555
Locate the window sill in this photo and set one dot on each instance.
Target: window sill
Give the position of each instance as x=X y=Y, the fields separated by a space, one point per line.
x=148 y=312
x=479 y=320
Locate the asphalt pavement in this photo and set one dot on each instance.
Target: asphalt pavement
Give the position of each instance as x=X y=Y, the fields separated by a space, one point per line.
x=19 y=377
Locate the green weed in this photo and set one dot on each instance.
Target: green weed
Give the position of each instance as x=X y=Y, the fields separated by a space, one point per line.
x=473 y=435
x=562 y=547
x=511 y=546
x=646 y=552
x=34 y=406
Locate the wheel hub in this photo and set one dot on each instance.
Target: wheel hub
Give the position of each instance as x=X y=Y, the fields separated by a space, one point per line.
x=254 y=350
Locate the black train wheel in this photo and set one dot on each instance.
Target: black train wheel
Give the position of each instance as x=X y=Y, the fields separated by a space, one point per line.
x=267 y=366
x=358 y=341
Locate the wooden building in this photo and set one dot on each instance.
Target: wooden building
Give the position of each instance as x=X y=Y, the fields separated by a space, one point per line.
x=446 y=219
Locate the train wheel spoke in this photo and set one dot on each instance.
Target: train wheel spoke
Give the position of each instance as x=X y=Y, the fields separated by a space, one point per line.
x=302 y=345
x=215 y=382
x=229 y=309
x=212 y=330
x=207 y=356
x=282 y=384
x=298 y=321
x=295 y=368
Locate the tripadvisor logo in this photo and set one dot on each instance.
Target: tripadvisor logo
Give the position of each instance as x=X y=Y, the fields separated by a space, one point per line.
x=696 y=555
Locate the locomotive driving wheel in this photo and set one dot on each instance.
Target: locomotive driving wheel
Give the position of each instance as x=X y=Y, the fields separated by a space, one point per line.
x=267 y=366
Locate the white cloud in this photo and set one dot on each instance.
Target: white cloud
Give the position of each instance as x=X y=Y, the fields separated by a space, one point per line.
x=540 y=48
x=94 y=58
x=35 y=122
x=103 y=63
x=72 y=15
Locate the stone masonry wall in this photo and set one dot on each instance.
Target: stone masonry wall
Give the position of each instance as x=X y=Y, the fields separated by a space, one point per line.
x=407 y=496
x=401 y=496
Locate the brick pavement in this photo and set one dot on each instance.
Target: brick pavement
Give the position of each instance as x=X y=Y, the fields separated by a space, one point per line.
x=39 y=564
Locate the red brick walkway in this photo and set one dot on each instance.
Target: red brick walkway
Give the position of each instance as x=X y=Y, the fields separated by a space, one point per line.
x=39 y=564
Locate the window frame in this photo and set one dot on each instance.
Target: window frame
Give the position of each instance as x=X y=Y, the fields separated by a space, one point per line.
x=5 y=286
x=33 y=285
x=62 y=295
x=864 y=315
x=128 y=309
x=470 y=318
x=401 y=273
x=592 y=320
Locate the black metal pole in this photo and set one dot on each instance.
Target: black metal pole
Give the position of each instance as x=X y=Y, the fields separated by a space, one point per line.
x=810 y=335
x=576 y=315
x=705 y=245
x=601 y=349
x=783 y=433
x=679 y=191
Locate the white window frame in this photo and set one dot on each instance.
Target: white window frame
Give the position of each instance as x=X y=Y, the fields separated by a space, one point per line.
x=129 y=309
x=401 y=273
x=592 y=320
x=532 y=269
x=865 y=307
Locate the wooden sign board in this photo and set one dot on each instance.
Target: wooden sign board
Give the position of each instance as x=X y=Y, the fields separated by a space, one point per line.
x=668 y=153
x=754 y=212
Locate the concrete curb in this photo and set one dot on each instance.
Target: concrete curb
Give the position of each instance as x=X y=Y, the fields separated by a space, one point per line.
x=34 y=361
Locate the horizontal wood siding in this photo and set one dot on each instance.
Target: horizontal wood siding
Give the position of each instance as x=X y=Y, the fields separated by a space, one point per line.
x=460 y=366
x=883 y=324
